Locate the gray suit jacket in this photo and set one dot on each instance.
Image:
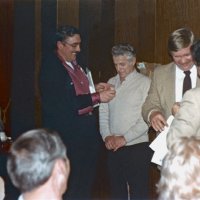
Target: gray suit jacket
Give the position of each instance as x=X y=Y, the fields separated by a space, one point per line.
x=161 y=96
x=187 y=120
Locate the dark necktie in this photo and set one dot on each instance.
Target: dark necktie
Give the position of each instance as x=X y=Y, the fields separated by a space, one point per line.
x=187 y=82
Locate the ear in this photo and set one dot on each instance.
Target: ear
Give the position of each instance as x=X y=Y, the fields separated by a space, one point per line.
x=62 y=167
x=59 y=45
x=60 y=175
x=134 y=61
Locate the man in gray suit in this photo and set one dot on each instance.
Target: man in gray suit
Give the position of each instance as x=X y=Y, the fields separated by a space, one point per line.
x=167 y=81
x=187 y=119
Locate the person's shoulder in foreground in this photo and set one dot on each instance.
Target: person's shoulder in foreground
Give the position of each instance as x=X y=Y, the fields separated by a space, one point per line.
x=187 y=119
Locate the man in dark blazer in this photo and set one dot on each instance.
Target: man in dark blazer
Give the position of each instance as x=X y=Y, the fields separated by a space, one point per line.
x=68 y=99
x=167 y=81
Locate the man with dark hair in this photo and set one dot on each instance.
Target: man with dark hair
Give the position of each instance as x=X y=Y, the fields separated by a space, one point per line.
x=68 y=99
x=38 y=165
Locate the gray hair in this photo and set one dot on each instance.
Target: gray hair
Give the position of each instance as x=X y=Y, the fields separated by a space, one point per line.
x=179 y=39
x=32 y=158
x=124 y=50
x=180 y=173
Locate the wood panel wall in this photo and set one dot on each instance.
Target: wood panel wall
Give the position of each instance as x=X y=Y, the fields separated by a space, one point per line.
x=135 y=24
x=146 y=24
x=143 y=23
x=171 y=15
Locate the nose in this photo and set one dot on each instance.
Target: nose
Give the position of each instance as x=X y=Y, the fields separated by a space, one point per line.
x=183 y=60
x=78 y=48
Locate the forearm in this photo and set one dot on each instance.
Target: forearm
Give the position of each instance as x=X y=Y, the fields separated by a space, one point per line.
x=136 y=131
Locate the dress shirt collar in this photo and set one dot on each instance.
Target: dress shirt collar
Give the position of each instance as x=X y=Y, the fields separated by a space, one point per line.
x=69 y=64
x=180 y=75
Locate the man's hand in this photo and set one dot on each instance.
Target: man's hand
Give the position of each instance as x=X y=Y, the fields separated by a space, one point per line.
x=119 y=142
x=107 y=95
x=114 y=142
x=175 y=108
x=110 y=142
x=158 y=121
x=100 y=87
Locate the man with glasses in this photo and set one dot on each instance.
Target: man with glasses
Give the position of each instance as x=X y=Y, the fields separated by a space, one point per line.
x=68 y=99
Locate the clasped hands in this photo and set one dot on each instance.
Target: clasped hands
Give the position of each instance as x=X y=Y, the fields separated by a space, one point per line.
x=114 y=142
x=106 y=91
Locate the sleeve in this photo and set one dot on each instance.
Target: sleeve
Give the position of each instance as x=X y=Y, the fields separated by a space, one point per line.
x=95 y=98
x=186 y=121
x=104 y=124
x=152 y=102
x=139 y=127
x=104 y=120
x=137 y=130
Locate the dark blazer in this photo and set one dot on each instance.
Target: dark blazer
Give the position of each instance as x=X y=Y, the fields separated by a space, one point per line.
x=60 y=104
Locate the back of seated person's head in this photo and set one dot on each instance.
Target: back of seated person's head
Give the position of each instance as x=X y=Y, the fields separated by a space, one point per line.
x=32 y=158
x=180 y=173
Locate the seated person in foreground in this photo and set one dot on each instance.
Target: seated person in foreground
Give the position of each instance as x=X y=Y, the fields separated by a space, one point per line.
x=180 y=173
x=38 y=165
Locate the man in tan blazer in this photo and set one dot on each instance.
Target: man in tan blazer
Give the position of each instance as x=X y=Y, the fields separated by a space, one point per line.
x=187 y=119
x=167 y=81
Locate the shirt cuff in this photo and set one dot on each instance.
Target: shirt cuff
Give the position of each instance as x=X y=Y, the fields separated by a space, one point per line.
x=95 y=98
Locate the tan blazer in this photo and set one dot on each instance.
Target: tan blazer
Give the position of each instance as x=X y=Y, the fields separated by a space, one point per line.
x=187 y=120
x=161 y=95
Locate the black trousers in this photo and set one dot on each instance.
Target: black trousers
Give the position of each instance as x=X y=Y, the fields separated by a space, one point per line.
x=128 y=170
x=83 y=150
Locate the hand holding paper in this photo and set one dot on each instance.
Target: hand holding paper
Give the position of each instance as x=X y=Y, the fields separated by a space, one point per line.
x=159 y=145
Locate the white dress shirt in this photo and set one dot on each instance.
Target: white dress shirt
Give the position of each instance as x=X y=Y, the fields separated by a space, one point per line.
x=179 y=81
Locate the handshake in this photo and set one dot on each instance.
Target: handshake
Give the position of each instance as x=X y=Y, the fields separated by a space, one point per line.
x=106 y=91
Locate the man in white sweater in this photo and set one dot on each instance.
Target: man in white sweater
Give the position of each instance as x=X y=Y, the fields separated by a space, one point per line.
x=124 y=130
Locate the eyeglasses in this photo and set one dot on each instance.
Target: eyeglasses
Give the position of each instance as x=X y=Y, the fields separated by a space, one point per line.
x=73 y=45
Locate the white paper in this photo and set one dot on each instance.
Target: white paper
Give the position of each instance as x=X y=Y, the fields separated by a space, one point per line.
x=159 y=145
x=91 y=83
x=2 y=189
